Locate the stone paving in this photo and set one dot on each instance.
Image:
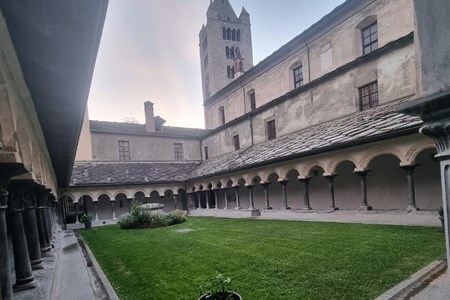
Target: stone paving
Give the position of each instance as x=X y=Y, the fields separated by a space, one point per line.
x=439 y=289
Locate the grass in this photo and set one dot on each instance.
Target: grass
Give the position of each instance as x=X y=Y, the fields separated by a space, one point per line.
x=265 y=259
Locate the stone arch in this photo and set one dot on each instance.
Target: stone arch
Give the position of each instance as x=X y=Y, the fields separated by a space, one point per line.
x=305 y=172
x=414 y=151
x=333 y=165
x=284 y=172
x=98 y=194
x=228 y=182
x=140 y=196
x=126 y=193
x=366 y=159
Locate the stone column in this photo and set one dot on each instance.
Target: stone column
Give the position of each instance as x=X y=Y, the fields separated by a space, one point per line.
x=362 y=179
x=226 y=197
x=411 y=193
x=22 y=264
x=198 y=196
x=5 y=271
x=113 y=206
x=330 y=179
x=216 y=199
x=31 y=232
x=207 y=198
x=238 y=202
x=250 y=197
x=96 y=209
x=284 y=195
x=306 y=180
x=76 y=212
x=41 y=219
x=266 y=194
x=175 y=200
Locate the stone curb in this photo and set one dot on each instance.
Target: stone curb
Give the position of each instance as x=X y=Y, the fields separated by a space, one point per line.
x=100 y=280
x=417 y=282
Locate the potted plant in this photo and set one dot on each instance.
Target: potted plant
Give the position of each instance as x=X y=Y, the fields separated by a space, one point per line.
x=219 y=288
x=87 y=220
x=441 y=216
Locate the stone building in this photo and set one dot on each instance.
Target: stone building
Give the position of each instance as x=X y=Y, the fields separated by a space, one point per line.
x=311 y=127
x=47 y=53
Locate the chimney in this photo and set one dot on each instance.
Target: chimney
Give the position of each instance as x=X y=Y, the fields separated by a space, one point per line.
x=149 y=117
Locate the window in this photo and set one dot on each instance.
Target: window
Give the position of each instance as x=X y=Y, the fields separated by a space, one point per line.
x=370 y=38
x=368 y=96
x=178 y=151
x=238 y=35
x=229 y=34
x=298 y=76
x=206 y=152
x=224 y=33
x=236 y=142
x=252 y=100
x=233 y=35
x=271 y=130
x=124 y=150
x=227 y=52
x=229 y=73
x=221 y=115
x=232 y=53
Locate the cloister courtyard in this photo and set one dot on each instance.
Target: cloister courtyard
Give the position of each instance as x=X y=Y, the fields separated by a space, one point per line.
x=266 y=259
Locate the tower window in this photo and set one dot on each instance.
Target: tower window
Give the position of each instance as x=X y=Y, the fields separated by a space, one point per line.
x=232 y=53
x=238 y=35
x=178 y=151
x=368 y=96
x=124 y=150
x=370 y=38
x=229 y=34
x=229 y=75
x=227 y=52
x=233 y=35
x=298 y=76
x=236 y=142
x=224 y=33
x=206 y=152
x=271 y=130
x=221 y=115
x=252 y=101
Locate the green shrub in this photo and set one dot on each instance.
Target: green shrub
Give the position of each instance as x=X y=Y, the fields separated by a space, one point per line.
x=143 y=218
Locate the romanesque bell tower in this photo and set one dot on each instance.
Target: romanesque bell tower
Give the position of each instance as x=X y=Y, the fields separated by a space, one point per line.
x=225 y=46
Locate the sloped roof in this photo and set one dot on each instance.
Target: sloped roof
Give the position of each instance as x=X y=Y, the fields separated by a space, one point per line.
x=362 y=127
x=87 y=173
x=139 y=129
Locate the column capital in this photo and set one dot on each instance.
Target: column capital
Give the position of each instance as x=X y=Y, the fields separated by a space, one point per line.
x=283 y=182
x=439 y=131
x=250 y=186
x=304 y=178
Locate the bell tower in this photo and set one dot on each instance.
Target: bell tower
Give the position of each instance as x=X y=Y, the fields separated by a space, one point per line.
x=224 y=39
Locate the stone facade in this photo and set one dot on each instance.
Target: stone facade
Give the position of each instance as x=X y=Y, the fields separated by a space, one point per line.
x=325 y=150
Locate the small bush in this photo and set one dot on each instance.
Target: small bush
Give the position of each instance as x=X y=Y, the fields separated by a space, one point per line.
x=143 y=218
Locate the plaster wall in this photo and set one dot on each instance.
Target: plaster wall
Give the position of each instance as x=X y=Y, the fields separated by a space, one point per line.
x=144 y=148
x=332 y=49
x=332 y=99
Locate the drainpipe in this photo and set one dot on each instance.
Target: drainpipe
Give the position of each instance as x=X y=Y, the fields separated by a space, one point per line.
x=309 y=68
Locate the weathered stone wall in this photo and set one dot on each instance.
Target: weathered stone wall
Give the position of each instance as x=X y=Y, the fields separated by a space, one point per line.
x=146 y=148
x=21 y=136
x=337 y=46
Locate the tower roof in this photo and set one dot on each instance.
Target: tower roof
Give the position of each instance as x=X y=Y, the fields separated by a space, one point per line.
x=221 y=9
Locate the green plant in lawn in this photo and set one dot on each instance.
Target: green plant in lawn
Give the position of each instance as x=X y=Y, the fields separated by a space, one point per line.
x=219 y=288
x=144 y=218
x=85 y=218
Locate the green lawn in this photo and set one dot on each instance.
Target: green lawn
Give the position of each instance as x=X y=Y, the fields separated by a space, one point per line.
x=273 y=260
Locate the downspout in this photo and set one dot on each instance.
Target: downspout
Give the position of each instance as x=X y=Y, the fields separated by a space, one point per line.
x=309 y=68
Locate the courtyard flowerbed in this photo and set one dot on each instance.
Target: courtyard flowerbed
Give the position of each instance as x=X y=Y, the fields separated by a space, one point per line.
x=265 y=259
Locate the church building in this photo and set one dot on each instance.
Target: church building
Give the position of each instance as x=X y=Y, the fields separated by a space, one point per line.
x=311 y=128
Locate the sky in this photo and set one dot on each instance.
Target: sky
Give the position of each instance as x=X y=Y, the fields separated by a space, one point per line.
x=149 y=51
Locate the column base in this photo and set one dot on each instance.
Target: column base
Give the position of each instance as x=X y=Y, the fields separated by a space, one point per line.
x=334 y=208
x=285 y=208
x=365 y=207
x=238 y=208
x=24 y=284
x=412 y=208
x=226 y=208
x=268 y=208
x=37 y=264
x=307 y=208
x=251 y=208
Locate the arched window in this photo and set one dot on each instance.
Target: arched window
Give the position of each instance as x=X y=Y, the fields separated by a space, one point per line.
x=233 y=35
x=232 y=54
x=227 y=52
x=237 y=52
x=228 y=71
x=238 y=35
x=232 y=72
x=228 y=34
x=224 y=33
